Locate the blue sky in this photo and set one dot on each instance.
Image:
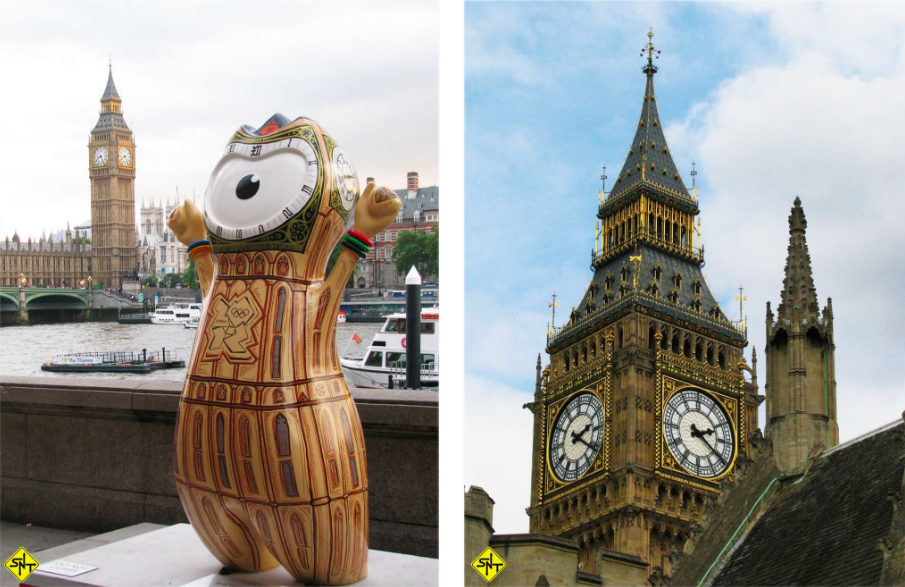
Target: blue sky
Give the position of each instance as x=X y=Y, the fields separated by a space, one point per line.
x=771 y=101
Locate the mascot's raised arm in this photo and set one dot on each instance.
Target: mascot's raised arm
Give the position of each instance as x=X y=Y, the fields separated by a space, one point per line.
x=270 y=461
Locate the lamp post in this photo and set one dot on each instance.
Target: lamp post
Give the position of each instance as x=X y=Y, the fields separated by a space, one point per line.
x=23 y=281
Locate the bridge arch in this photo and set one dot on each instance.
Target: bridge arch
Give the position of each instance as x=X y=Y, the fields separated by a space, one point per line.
x=56 y=300
x=9 y=298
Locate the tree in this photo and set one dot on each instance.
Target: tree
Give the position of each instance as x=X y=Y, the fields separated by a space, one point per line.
x=171 y=279
x=191 y=276
x=151 y=281
x=419 y=248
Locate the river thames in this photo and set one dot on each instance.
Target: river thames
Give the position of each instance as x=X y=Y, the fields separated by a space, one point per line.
x=23 y=349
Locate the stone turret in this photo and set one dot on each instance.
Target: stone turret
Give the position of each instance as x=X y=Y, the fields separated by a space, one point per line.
x=801 y=384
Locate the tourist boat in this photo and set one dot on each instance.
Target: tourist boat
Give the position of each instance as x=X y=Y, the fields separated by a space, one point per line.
x=341 y=318
x=176 y=313
x=120 y=361
x=192 y=322
x=383 y=365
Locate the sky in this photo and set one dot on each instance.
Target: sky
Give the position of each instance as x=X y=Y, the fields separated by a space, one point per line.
x=771 y=101
x=189 y=74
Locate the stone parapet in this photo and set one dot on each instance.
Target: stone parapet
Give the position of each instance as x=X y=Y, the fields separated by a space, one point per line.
x=95 y=455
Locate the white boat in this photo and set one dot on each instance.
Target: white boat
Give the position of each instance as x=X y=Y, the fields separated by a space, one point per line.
x=191 y=322
x=385 y=358
x=341 y=318
x=176 y=313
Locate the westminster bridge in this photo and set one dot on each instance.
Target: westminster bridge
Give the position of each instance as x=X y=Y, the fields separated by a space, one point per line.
x=21 y=304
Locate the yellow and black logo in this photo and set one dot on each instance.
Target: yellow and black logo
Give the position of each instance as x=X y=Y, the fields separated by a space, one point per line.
x=22 y=564
x=489 y=564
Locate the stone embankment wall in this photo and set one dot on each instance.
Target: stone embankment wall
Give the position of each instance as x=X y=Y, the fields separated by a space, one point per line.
x=95 y=455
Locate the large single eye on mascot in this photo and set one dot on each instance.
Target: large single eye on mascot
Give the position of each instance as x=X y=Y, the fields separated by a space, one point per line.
x=270 y=458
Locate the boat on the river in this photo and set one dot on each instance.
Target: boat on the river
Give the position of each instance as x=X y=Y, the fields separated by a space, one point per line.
x=341 y=318
x=192 y=322
x=176 y=313
x=385 y=360
x=112 y=362
x=133 y=318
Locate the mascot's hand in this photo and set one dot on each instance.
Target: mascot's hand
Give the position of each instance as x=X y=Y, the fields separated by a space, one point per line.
x=377 y=208
x=187 y=224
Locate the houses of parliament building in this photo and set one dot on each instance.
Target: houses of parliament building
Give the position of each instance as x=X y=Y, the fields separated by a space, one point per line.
x=68 y=259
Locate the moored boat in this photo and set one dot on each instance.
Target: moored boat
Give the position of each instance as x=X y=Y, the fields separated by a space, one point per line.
x=385 y=358
x=176 y=313
x=118 y=361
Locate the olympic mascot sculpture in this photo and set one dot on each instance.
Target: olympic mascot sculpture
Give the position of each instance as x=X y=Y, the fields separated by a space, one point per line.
x=270 y=458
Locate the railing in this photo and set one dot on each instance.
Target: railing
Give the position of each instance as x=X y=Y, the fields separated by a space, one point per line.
x=641 y=296
x=430 y=370
x=119 y=357
x=694 y=253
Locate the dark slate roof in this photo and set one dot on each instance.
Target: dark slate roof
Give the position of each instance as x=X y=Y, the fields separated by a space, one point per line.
x=669 y=265
x=649 y=149
x=110 y=92
x=110 y=120
x=427 y=199
x=824 y=527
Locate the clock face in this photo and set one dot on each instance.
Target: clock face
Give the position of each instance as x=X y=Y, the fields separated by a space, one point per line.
x=100 y=156
x=575 y=439
x=256 y=188
x=346 y=178
x=125 y=156
x=698 y=433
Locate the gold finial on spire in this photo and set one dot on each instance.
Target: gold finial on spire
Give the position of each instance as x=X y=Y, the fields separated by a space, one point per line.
x=652 y=53
x=636 y=261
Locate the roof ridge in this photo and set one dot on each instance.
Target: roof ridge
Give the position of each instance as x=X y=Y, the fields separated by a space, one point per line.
x=864 y=436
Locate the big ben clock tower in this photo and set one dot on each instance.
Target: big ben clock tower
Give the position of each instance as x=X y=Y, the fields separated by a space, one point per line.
x=111 y=165
x=644 y=410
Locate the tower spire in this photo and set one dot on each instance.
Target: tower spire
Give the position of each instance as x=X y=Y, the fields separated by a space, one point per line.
x=801 y=362
x=649 y=163
x=799 y=296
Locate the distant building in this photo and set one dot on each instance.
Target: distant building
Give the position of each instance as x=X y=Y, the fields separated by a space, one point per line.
x=159 y=252
x=111 y=168
x=420 y=211
x=61 y=260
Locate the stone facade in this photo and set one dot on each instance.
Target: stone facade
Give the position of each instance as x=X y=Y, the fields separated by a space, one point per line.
x=159 y=251
x=801 y=363
x=61 y=260
x=111 y=169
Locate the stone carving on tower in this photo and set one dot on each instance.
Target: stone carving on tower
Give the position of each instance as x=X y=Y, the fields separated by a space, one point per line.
x=643 y=411
x=801 y=368
x=111 y=157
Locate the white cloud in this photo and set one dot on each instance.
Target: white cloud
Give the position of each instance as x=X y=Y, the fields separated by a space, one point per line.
x=190 y=75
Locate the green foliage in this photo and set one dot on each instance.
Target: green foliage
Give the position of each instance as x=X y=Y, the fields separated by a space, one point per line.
x=151 y=281
x=171 y=279
x=81 y=240
x=191 y=276
x=419 y=248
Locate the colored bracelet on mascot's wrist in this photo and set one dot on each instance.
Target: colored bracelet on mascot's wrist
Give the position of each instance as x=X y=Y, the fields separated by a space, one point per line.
x=352 y=237
x=198 y=247
x=357 y=235
x=355 y=246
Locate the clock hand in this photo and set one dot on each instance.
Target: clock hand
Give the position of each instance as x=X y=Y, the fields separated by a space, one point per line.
x=585 y=442
x=713 y=448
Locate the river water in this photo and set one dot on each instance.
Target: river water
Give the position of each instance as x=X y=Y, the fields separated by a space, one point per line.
x=23 y=349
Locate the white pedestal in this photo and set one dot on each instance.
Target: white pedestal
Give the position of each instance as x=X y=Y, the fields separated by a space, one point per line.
x=175 y=556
